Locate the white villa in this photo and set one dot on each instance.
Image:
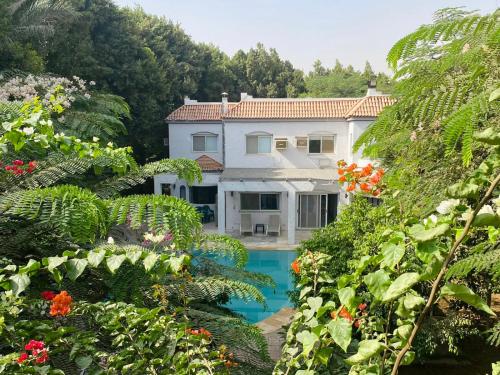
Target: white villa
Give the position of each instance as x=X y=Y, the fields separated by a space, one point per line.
x=268 y=164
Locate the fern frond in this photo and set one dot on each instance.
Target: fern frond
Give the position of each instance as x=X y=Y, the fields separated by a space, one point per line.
x=494 y=335
x=481 y=262
x=222 y=245
x=185 y=169
x=211 y=289
x=158 y=212
x=71 y=211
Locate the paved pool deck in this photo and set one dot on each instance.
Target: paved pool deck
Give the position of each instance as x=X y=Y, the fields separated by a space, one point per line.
x=274 y=330
x=264 y=242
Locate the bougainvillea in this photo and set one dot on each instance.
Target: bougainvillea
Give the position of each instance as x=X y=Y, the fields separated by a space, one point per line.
x=35 y=352
x=367 y=179
x=61 y=304
x=48 y=295
x=19 y=167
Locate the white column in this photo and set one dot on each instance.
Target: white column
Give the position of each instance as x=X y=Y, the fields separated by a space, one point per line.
x=221 y=208
x=157 y=185
x=292 y=214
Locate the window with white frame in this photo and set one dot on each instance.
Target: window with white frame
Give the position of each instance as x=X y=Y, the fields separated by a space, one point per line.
x=204 y=142
x=260 y=201
x=259 y=143
x=321 y=144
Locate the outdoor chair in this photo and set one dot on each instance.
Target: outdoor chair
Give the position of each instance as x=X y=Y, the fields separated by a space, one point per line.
x=246 y=224
x=274 y=225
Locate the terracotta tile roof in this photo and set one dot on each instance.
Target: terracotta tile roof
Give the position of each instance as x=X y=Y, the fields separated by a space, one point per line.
x=198 y=112
x=207 y=164
x=291 y=108
x=368 y=106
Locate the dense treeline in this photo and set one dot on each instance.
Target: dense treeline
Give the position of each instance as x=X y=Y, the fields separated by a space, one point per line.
x=152 y=63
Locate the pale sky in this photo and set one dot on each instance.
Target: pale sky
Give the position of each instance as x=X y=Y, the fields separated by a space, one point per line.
x=303 y=31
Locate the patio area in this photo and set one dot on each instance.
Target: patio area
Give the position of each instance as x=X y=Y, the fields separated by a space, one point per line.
x=259 y=241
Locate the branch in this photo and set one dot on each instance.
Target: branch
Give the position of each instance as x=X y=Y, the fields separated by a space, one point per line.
x=439 y=278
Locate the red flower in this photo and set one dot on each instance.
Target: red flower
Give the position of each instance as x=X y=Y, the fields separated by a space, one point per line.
x=34 y=345
x=23 y=357
x=48 y=295
x=357 y=323
x=8 y=167
x=362 y=306
x=43 y=357
x=296 y=266
x=376 y=193
x=18 y=162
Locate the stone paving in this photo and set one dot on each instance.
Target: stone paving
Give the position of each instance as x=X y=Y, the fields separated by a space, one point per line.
x=274 y=330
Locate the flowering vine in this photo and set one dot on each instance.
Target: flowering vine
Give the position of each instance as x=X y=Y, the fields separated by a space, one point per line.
x=368 y=179
x=35 y=352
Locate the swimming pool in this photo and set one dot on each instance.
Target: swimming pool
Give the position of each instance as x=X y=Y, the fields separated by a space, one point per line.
x=275 y=263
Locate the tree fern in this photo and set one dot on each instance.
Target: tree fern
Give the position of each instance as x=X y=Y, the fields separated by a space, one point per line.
x=72 y=211
x=225 y=246
x=488 y=262
x=494 y=335
x=185 y=169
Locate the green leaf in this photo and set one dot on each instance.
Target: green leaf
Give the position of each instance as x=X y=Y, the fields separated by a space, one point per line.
x=150 y=261
x=314 y=303
x=377 y=283
x=400 y=285
x=392 y=254
x=366 y=350
x=427 y=251
x=490 y=136
x=463 y=293
x=19 y=283
x=75 y=268
x=420 y=234
x=347 y=297
x=411 y=301
x=95 y=257
x=133 y=255
x=83 y=362
x=114 y=262
x=463 y=190
x=307 y=339
x=495 y=94
x=32 y=265
x=323 y=355
x=340 y=330
x=54 y=262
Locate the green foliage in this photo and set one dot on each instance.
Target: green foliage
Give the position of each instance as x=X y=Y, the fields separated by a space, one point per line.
x=343 y=82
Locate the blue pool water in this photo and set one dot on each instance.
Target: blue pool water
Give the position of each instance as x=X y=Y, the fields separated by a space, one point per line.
x=275 y=263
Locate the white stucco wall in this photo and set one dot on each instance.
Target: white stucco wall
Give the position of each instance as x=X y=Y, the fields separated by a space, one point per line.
x=356 y=128
x=181 y=142
x=293 y=157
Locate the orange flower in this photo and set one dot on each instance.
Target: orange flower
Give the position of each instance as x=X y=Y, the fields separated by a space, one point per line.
x=61 y=304
x=342 y=179
x=345 y=314
x=376 y=193
x=366 y=171
x=357 y=323
x=364 y=186
x=362 y=306
x=341 y=171
x=352 y=167
x=341 y=163
x=375 y=179
x=351 y=186
x=296 y=266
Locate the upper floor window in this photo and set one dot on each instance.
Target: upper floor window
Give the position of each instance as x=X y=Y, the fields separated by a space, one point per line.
x=205 y=142
x=321 y=144
x=259 y=143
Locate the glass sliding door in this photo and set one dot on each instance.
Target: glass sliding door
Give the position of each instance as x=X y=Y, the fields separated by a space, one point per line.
x=312 y=210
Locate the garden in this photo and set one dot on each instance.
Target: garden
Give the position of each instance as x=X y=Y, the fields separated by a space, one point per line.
x=99 y=279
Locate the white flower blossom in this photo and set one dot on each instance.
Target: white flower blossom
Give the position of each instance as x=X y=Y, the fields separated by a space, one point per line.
x=29 y=130
x=447 y=206
x=153 y=238
x=486 y=209
x=111 y=240
x=92 y=83
x=95 y=139
x=87 y=95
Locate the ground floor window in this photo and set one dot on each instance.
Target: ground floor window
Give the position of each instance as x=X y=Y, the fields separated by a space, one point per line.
x=260 y=201
x=203 y=194
x=166 y=189
x=374 y=201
